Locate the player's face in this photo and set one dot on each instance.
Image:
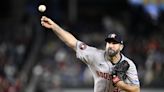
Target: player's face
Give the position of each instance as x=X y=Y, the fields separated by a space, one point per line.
x=113 y=48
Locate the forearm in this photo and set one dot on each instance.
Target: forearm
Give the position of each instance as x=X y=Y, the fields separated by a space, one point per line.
x=127 y=87
x=65 y=36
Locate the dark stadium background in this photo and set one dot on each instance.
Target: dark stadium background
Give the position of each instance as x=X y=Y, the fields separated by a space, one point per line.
x=33 y=59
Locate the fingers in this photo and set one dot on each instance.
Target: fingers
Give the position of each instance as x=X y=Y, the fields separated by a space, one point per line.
x=47 y=22
x=44 y=20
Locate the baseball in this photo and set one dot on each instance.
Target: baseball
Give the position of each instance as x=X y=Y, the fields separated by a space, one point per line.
x=42 y=8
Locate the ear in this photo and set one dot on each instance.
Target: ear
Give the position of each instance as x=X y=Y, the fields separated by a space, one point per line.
x=121 y=47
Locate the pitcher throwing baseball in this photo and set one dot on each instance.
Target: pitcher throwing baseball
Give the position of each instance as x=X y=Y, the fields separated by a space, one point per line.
x=112 y=71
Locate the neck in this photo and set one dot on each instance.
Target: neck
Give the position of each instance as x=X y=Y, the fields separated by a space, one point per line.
x=115 y=59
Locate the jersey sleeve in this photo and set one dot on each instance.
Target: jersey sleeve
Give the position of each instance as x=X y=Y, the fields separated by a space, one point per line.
x=132 y=75
x=84 y=52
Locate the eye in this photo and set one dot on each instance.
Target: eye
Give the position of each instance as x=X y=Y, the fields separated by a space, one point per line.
x=114 y=42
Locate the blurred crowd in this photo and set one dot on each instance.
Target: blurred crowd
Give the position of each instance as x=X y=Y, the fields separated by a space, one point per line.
x=33 y=59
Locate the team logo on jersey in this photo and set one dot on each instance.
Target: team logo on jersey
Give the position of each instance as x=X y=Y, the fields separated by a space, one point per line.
x=104 y=75
x=82 y=46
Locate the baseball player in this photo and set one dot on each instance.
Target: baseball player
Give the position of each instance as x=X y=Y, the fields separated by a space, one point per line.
x=112 y=71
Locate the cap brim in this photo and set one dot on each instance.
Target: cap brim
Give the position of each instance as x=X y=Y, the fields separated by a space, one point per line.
x=111 y=40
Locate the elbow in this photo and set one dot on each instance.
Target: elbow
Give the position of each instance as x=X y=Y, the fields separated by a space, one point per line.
x=71 y=44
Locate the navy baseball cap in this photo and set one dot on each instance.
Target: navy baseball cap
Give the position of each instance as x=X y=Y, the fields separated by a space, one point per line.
x=114 y=38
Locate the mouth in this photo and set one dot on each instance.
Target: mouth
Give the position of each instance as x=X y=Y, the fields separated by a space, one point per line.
x=111 y=52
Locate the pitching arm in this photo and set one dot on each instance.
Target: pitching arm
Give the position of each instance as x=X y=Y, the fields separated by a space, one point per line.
x=65 y=36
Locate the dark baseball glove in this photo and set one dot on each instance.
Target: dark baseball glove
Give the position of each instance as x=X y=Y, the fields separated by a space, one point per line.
x=119 y=71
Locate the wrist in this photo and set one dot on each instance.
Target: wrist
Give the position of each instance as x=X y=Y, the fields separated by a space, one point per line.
x=115 y=80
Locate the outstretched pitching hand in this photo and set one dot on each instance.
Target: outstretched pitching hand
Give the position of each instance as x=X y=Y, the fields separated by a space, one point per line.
x=47 y=22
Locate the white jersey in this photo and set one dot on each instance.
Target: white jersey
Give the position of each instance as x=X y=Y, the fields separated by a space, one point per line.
x=101 y=68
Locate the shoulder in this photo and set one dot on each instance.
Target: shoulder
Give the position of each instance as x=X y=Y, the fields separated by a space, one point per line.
x=130 y=61
x=84 y=47
x=88 y=53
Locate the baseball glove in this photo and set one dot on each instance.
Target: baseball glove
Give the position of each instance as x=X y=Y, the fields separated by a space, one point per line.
x=119 y=71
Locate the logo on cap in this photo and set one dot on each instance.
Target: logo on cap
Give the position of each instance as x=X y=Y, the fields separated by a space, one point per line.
x=113 y=35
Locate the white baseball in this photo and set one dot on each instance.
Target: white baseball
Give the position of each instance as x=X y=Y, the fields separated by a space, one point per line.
x=42 y=8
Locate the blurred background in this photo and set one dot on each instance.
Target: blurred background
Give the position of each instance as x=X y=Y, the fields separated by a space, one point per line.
x=33 y=59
